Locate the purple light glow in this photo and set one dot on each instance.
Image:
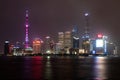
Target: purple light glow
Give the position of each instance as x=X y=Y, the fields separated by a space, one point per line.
x=26 y=36
x=26 y=25
x=86 y=14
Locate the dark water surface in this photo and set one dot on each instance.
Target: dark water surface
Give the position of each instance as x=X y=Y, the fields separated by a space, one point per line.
x=59 y=68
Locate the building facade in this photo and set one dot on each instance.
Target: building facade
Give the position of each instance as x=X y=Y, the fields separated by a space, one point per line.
x=37 y=46
x=6 y=48
x=75 y=38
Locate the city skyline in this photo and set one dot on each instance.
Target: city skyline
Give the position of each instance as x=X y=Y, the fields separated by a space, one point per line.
x=47 y=18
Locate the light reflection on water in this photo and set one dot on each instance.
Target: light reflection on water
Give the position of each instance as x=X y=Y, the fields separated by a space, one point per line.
x=100 y=68
x=59 y=68
x=48 y=69
x=33 y=67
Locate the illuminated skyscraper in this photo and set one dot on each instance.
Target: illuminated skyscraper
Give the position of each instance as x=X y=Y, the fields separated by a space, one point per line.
x=101 y=44
x=6 y=48
x=86 y=26
x=64 y=41
x=52 y=46
x=67 y=39
x=26 y=31
x=75 y=37
x=86 y=36
x=37 y=45
x=47 y=46
x=61 y=39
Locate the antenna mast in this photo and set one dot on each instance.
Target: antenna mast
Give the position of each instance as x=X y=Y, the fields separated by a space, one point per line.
x=26 y=30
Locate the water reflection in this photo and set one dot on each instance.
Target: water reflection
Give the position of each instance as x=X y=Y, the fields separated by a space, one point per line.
x=33 y=67
x=59 y=68
x=47 y=68
x=37 y=67
x=100 y=68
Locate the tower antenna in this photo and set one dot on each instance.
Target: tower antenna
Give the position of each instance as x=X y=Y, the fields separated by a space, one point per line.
x=26 y=30
x=86 y=25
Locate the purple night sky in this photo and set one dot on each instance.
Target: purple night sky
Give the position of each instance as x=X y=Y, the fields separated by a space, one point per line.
x=47 y=17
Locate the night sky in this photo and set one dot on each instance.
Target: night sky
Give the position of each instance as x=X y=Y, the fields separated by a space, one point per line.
x=48 y=17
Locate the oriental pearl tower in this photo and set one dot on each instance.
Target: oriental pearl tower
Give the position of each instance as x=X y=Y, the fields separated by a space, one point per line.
x=26 y=30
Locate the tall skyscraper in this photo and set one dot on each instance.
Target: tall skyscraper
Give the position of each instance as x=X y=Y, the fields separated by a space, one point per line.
x=61 y=39
x=64 y=41
x=68 y=39
x=47 y=46
x=37 y=45
x=86 y=36
x=26 y=30
x=6 y=48
x=101 y=44
x=75 y=37
x=86 y=26
x=52 y=46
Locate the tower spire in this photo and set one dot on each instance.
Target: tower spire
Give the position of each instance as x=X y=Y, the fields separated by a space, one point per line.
x=86 y=25
x=26 y=30
x=86 y=36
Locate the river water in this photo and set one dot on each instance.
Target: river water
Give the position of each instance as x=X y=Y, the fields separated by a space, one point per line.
x=59 y=68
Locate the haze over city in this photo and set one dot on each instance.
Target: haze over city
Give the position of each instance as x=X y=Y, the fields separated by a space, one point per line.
x=50 y=17
x=63 y=39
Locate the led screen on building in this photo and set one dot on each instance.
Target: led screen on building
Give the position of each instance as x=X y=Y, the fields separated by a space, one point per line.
x=99 y=43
